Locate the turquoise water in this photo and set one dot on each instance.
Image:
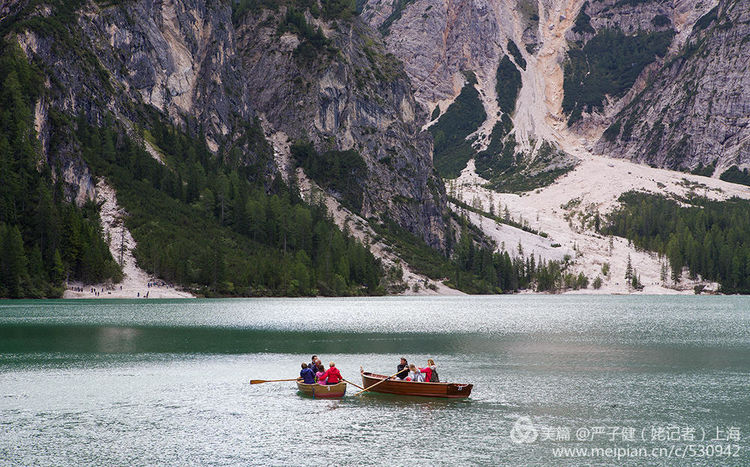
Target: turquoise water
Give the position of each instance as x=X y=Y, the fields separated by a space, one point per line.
x=167 y=382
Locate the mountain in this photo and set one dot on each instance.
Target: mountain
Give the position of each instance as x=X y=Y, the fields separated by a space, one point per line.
x=197 y=89
x=666 y=80
x=526 y=98
x=304 y=147
x=691 y=111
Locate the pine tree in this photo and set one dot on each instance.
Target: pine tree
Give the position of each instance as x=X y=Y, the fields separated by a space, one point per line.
x=629 y=270
x=13 y=270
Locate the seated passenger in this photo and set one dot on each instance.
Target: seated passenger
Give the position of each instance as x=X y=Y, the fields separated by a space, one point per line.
x=314 y=362
x=415 y=375
x=427 y=371
x=332 y=375
x=307 y=375
x=433 y=377
x=320 y=375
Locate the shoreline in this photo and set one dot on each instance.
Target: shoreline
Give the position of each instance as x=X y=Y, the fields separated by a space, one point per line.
x=125 y=290
x=165 y=293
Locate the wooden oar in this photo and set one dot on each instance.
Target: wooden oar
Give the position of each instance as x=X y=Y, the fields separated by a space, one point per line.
x=259 y=381
x=380 y=382
x=353 y=384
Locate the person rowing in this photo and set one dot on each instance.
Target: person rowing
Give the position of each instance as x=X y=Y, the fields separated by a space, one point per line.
x=403 y=369
x=332 y=374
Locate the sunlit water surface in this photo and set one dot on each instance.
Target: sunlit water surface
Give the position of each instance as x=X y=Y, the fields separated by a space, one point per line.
x=167 y=382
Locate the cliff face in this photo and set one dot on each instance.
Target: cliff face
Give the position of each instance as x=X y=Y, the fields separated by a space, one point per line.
x=513 y=52
x=178 y=57
x=119 y=60
x=345 y=92
x=679 y=96
x=695 y=109
x=186 y=59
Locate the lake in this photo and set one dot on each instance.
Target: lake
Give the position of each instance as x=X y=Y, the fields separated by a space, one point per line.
x=557 y=380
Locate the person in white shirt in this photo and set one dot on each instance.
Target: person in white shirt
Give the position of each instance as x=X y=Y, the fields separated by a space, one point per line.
x=415 y=375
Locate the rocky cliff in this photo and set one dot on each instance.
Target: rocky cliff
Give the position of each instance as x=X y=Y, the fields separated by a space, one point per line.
x=665 y=79
x=332 y=82
x=210 y=75
x=121 y=59
x=693 y=110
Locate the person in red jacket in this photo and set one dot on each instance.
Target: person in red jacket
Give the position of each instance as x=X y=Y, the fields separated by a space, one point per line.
x=427 y=373
x=332 y=374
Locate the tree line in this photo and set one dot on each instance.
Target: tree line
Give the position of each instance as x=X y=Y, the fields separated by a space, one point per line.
x=709 y=239
x=218 y=223
x=44 y=240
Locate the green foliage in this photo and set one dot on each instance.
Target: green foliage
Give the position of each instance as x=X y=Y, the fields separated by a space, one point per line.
x=500 y=153
x=735 y=175
x=398 y=9
x=241 y=7
x=611 y=133
x=263 y=240
x=583 y=22
x=710 y=238
x=342 y=172
x=313 y=42
x=608 y=65
x=708 y=170
x=631 y=3
x=508 y=85
x=435 y=113
x=529 y=173
x=360 y=5
x=60 y=24
x=706 y=20
x=385 y=66
x=338 y=9
x=497 y=218
x=43 y=238
x=661 y=20
x=463 y=117
x=473 y=268
x=517 y=56
x=329 y=9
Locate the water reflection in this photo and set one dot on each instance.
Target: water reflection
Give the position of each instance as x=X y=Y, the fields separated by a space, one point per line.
x=116 y=340
x=168 y=382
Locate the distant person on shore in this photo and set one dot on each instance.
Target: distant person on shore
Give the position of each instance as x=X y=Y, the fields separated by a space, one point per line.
x=403 y=369
x=307 y=374
x=320 y=375
x=332 y=375
x=415 y=375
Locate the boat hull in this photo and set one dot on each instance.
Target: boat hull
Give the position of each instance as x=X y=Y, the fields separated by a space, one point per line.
x=410 y=388
x=319 y=391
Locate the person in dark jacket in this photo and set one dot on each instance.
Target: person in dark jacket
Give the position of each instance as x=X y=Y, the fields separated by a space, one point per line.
x=314 y=362
x=403 y=369
x=307 y=374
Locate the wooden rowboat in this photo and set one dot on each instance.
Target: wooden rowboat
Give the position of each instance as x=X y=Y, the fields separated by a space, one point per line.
x=320 y=391
x=410 y=388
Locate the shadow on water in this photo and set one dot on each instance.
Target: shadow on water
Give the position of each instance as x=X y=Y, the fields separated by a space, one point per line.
x=537 y=351
x=35 y=338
